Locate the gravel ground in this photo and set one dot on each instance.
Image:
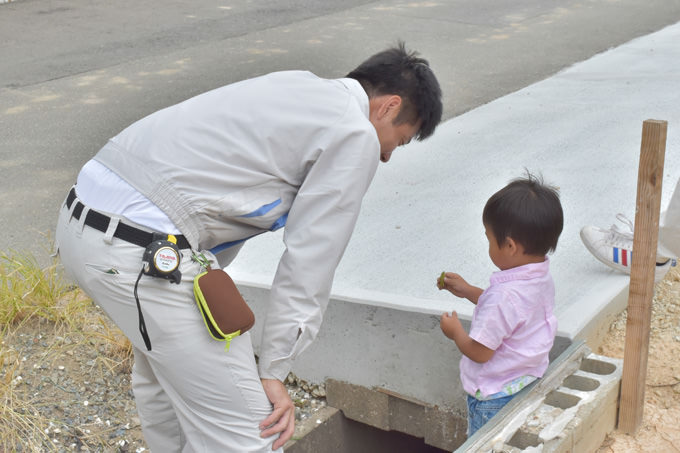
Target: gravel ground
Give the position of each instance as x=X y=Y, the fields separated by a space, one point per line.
x=77 y=382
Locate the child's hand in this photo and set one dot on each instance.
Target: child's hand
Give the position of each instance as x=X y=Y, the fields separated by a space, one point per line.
x=454 y=283
x=451 y=325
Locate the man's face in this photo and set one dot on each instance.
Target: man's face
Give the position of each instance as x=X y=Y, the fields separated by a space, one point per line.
x=393 y=135
x=384 y=111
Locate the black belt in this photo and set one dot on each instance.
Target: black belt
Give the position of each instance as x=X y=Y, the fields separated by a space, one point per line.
x=100 y=222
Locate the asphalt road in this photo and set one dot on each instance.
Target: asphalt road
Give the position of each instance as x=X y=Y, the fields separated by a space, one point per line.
x=74 y=73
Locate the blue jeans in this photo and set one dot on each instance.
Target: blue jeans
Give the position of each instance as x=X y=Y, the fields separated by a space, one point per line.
x=479 y=412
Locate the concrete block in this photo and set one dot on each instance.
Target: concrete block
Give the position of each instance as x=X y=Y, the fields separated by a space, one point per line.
x=578 y=406
x=524 y=439
x=359 y=403
x=596 y=415
x=312 y=437
x=599 y=418
x=390 y=411
x=562 y=444
x=440 y=428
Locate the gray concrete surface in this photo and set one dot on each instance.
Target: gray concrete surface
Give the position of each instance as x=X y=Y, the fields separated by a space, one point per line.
x=75 y=73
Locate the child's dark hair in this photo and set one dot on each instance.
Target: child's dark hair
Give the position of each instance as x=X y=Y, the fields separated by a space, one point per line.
x=529 y=212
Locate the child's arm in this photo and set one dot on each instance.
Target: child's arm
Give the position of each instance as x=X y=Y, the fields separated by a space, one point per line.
x=457 y=286
x=474 y=350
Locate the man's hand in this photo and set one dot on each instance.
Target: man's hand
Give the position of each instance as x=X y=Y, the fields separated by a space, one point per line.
x=282 y=418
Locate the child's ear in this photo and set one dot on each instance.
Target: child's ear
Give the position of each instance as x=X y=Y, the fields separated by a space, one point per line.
x=511 y=246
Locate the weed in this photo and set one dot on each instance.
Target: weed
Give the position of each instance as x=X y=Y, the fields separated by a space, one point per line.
x=26 y=290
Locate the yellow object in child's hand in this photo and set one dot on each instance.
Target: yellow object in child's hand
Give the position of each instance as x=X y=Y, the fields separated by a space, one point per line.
x=440 y=282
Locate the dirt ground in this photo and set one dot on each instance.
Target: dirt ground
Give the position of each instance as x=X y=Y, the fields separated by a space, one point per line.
x=660 y=428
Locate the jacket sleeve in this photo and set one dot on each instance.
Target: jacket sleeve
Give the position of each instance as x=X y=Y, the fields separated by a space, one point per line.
x=320 y=224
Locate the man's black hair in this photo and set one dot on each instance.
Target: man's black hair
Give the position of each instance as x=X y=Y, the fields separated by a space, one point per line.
x=529 y=212
x=398 y=71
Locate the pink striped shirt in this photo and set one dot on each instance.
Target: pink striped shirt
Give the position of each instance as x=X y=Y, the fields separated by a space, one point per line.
x=514 y=317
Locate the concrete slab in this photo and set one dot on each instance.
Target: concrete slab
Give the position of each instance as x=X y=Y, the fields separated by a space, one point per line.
x=580 y=128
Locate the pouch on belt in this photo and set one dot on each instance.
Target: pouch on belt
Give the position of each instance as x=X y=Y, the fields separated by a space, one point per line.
x=224 y=311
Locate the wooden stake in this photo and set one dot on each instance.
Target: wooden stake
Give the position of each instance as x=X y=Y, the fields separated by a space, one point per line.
x=641 y=292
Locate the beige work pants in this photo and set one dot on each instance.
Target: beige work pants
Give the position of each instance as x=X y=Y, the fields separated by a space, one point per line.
x=191 y=394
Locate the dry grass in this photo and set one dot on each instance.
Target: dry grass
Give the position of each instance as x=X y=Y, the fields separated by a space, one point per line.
x=26 y=290
x=34 y=299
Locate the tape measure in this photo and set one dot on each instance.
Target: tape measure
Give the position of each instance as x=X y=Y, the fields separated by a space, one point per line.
x=162 y=258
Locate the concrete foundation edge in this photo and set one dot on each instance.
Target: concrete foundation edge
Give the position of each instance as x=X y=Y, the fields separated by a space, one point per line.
x=389 y=411
x=571 y=409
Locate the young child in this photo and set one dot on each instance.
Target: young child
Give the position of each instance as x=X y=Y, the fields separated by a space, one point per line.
x=513 y=326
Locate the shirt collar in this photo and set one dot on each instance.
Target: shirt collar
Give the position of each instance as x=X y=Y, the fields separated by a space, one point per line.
x=358 y=92
x=526 y=272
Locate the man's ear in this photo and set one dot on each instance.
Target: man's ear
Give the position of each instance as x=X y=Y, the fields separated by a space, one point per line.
x=390 y=106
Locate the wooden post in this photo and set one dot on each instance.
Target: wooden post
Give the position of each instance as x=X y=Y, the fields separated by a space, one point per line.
x=641 y=292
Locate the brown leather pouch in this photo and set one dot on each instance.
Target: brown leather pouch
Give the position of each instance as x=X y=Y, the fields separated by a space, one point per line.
x=224 y=311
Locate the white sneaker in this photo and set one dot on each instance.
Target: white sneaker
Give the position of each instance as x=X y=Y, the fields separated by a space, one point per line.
x=614 y=248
